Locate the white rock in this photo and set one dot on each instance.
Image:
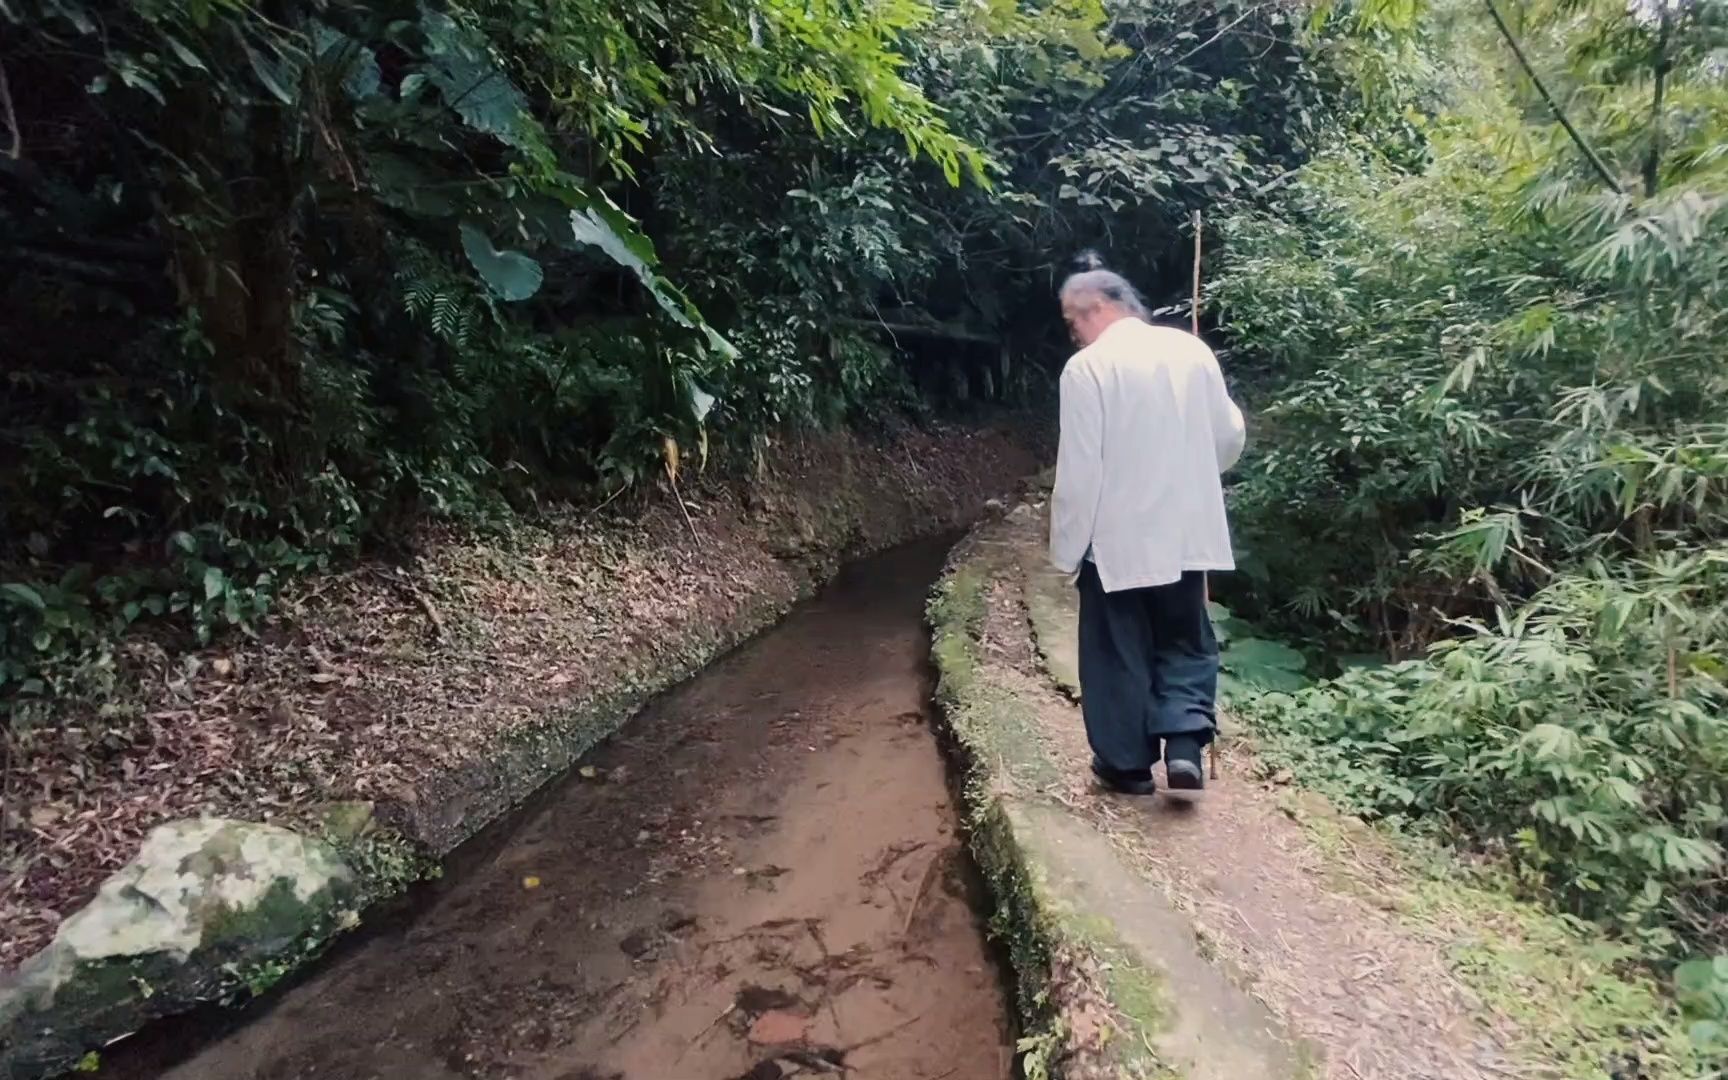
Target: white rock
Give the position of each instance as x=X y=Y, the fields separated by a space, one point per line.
x=201 y=901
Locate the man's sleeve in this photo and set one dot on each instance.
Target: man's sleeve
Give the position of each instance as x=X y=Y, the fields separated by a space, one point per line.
x=1229 y=431
x=1079 y=469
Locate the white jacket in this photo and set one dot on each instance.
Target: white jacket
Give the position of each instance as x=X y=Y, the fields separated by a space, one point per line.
x=1147 y=427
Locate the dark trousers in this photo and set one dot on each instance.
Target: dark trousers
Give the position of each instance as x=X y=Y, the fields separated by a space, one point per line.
x=1148 y=668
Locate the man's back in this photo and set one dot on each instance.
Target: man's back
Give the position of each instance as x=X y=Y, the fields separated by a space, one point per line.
x=1147 y=427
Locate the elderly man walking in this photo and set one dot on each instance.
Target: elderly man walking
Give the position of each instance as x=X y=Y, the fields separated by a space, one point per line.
x=1138 y=513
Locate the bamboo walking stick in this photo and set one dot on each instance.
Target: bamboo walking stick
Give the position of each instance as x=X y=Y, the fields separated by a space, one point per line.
x=1194 y=325
x=1194 y=305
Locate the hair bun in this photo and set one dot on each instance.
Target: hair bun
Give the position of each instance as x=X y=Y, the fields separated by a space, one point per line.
x=1088 y=260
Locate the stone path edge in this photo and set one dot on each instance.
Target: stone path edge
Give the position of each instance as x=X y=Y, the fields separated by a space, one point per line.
x=1087 y=1009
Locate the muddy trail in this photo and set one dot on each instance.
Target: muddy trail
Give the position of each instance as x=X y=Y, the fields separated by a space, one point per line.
x=759 y=877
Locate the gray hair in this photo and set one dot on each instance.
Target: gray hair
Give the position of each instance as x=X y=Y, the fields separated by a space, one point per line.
x=1091 y=287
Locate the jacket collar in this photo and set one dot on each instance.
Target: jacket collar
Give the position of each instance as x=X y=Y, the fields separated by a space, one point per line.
x=1118 y=328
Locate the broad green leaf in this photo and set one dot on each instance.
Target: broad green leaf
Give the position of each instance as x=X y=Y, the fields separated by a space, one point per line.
x=614 y=234
x=1361 y=661
x=1696 y=976
x=23 y=594
x=279 y=74
x=1259 y=652
x=354 y=63
x=1268 y=679
x=1548 y=742
x=471 y=81
x=510 y=275
x=1708 y=1034
x=404 y=185
x=186 y=55
x=701 y=402
x=612 y=231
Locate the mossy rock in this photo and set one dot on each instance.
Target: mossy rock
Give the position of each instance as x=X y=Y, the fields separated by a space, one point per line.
x=203 y=903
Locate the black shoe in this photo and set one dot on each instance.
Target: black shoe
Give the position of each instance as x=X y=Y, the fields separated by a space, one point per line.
x=1184 y=776
x=1182 y=764
x=1124 y=783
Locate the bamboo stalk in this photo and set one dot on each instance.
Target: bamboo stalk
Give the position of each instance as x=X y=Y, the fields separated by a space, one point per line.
x=1596 y=161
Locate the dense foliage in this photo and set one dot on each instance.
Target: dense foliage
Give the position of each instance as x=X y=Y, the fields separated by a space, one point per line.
x=1489 y=365
x=284 y=277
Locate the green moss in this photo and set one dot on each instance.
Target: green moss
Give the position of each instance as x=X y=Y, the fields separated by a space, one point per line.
x=995 y=737
x=1020 y=920
x=956 y=615
x=1574 y=994
x=1137 y=992
x=992 y=723
x=386 y=863
x=277 y=918
x=98 y=986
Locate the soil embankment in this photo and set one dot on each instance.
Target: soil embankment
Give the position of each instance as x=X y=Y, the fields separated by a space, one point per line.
x=430 y=695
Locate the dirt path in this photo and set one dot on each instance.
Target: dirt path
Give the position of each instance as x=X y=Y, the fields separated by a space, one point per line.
x=759 y=878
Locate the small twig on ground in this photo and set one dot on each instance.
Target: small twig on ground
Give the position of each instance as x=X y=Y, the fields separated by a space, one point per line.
x=712 y=1024
x=881 y=1037
x=814 y=929
x=1238 y=913
x=918 y=894
x=813 y=1061
x=425 y=603
x=608 y=500
x=16 y=150
x=5 y=786
x=678 y=496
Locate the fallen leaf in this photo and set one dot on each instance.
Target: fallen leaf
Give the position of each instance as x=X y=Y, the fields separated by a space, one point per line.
x=777 y=1027
x=530 y=882
x=588 y=772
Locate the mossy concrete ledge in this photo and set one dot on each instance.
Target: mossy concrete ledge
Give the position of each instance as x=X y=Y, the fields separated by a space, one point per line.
x=1111 y=979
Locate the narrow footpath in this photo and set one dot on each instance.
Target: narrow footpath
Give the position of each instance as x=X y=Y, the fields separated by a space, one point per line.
x=1254 y=932
x=761 y=877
